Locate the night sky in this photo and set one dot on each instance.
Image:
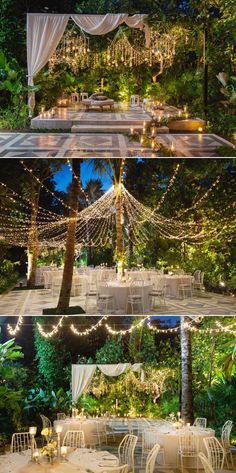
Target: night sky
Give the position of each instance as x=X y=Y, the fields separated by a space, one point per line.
x=63 y=177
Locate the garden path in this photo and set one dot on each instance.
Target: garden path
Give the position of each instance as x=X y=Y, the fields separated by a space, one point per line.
x=103 y=145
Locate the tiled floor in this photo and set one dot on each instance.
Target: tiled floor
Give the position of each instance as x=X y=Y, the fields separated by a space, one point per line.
x=31 y=302
x=106 y=145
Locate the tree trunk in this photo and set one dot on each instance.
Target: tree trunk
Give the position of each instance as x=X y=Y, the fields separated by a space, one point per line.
x=64 y=297
x=186 y=371
x=119 y=228
x=33 y=246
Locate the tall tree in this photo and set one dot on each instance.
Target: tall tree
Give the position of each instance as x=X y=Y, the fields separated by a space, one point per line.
x=186 y=371
x=64 y=297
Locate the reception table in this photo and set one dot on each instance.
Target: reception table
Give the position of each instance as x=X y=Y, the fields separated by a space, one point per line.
x=120 y=291
x=81 y=459
x=90 y=427
x=170 y=442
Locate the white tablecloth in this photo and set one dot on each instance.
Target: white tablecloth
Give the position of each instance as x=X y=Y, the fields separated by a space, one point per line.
x=81 y=459
x=120 y=292
x=88 y=426
x=173 y=282
x=170 y=442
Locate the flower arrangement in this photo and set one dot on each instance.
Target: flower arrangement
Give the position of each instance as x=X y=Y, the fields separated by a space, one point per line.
x=49 y=450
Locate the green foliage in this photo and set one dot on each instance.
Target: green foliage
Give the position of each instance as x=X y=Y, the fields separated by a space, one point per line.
x=51 y=358
x=10 y=386
x=111 y=352
x=141 y=345
x=8 y=275
x=46 y=401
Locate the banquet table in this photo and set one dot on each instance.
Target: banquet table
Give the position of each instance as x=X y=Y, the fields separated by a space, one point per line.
x=173 y=282
x=170 y=441
x=120 y=291
x=90 y=427
x=80 y=459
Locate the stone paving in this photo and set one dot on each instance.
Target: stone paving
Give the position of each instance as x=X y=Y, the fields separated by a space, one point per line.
x=102 y=145
x=31 y=302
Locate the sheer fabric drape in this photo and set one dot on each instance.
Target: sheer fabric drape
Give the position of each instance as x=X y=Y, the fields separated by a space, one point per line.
x=82 y=375
x=43 y=35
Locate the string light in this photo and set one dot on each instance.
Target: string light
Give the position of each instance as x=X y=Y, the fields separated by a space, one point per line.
x=14 y=331
x=87 y=331
x=128 y=330
x=54 y=331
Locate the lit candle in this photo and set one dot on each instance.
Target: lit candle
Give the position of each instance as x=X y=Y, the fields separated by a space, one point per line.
x=178 y=415
x=32 y=430
x=153 y=144
x=159 y=118
x=58 y=431
x=131 y=131
x=153 y=131
x=200 y=129
x=179 y=113
x=36 y=456
x=141 y=140
x=172 y=147
x=185 y=108
x=63 y=451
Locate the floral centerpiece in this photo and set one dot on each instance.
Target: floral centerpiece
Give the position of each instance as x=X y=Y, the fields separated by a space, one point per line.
x=50 y=450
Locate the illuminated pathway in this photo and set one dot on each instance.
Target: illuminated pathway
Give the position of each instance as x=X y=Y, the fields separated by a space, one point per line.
x=103 y=145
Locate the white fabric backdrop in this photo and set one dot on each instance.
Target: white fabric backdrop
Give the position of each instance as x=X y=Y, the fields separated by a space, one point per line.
x=44 y=32
x=82 y=375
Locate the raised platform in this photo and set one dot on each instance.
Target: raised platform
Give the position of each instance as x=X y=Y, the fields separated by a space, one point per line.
x=78 y=120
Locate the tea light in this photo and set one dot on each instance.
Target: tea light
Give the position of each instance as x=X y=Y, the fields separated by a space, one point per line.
x=153 y=131
x=36 y=456
x=63 y=451
x=131 y=131
x=200 y=129
x=141 y=140
x=172 y=147
x=153 y=144
x=32 y=430
x=58 y=429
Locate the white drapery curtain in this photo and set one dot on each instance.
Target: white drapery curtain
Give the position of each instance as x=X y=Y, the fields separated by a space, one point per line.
x=44 y=32
x=43 y=35
x=82 y=375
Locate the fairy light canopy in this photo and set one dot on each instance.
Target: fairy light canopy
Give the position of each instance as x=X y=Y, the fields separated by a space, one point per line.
x=96 y=223
x=44 y=32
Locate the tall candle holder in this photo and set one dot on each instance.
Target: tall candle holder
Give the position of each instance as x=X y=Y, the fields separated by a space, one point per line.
x=58 y=431
x=32 y=432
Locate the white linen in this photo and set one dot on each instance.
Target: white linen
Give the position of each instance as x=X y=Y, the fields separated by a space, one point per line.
x=81 y=376
x=113 y=370
x=12 y=462
x=99 y=24
x=120 y=292
x=90 y=427
x=43 y=35
x=170 y=442
x=44 y=32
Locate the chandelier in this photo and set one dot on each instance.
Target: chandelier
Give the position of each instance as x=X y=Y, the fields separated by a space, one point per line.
x=75 y=52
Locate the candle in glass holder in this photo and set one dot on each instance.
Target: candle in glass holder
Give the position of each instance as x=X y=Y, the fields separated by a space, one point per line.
x=32 y=430
x=36 y=456
x=63 y=451
x=131 y=131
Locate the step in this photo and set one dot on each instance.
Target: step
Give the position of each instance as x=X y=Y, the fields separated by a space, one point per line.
x=108 y=122
x=104 y=128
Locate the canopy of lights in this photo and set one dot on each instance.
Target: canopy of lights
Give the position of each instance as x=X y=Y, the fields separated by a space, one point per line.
x=96 y=223
x=76 y=52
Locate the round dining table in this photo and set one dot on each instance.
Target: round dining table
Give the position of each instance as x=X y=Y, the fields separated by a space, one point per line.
x=80 y=459
x=169 y=440
x=173 y=282
x=90 y=427
x=120 y=291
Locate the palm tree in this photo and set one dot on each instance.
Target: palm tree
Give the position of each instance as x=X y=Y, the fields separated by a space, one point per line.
x=115 y=167
x=93 y=191
x=64 y=297
x=186 y=372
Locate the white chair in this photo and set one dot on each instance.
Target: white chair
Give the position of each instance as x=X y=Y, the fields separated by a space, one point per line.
x=200 y=422
x=185 y=288
x=151 y=458
x=225 y=441
x=188 y=448
x=117 y=469
x=74 y=97
x=205 y=463
x=61 y=416
x=126 y=451
x=79 y=284
x=74 y=439
x=101 y=432
x=135 y=297
x=56 y=285
x=46 y=422
x=134 y=101
x=158 y=292
x=149 y=440
x=104 y=299
x=198 y=278
x=21 y=441
x=215 y=452
x=91 y=295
